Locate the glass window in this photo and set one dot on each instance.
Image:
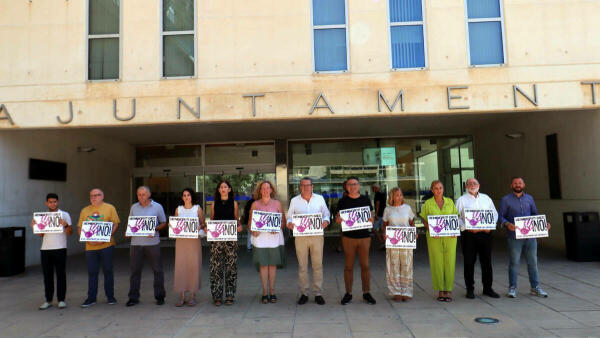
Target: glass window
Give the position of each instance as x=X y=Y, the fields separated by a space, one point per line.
x=410 y=164
x=486 y=32
x=407 y=34
x=103 y=39
x=330 y=35
x=178 y=38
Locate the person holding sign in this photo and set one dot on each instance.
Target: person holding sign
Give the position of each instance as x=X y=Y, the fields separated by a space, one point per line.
x=399 y=262
x=268 y=252
x=146 y=247
x=356 y=241
x=97 y=253
x=442 y=250
x=54 y=254
x=188 y=252
x=309 y=204
x=224 y=254
x=519 y=204
x=477 y=210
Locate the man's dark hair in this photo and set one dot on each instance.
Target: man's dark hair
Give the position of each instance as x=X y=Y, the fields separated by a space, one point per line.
x=352 y=178
x=306 y=178
x=51 y=195
x=517 y=177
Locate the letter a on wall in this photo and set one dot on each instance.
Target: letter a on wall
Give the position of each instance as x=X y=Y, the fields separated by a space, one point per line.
x=4 y=110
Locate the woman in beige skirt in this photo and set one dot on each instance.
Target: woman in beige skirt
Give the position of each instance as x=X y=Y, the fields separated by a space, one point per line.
x=188 y=253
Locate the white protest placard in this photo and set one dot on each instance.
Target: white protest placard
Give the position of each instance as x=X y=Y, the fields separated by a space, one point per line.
x=141 y=226
x=400 y=237
x=479 y=219
x=183 y=227
x=92 y=231
x=220 y=231
x=356 y=219
x=531 y=227
x=47 y=223
x=264 y=221
x=443 y=225
x=308 y=225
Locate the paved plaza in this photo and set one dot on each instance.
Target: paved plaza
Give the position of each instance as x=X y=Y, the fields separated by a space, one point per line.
x=572 y=310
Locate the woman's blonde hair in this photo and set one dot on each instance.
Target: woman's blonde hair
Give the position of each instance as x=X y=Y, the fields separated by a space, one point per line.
x=256 y=193
x=390 y=200
x=436 y=182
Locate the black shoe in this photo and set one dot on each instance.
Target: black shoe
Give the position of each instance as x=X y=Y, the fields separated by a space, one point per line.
x=132 y=302
x=273 y=298
x=303 y=299
x=160 y=301
x=369 y=299
x=319 y=300
x=88 y=303
x=491 y=293
x=112 y=301
x=347 y=299
x=470 y=294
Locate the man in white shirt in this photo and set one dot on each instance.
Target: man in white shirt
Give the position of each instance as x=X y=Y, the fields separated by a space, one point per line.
x=309 y=203
x=54 y=256
x=476 y=242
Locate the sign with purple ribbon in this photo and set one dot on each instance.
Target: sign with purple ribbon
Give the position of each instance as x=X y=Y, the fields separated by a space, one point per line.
x=183 y=227
x=264 y=221
x=95 y=231
x=221 y=231
x=308 y=225
x=479 y=219
x=356 y=219
x=47 y=223
x=531 y=227
x=443 y=225
x=400 y=237
x=141 y=226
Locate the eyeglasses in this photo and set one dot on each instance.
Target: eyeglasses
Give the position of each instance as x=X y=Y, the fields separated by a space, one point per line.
x=306 y=185
x=96 y=195
x=352 y=184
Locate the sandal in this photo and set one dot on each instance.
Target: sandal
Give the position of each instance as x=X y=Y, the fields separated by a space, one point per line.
x=229 y=301
x=191 y=302
x=264 y=299
x=180 y=303
x=447 y=299
x=441 y=299
x=273 y=299
x=217 y=302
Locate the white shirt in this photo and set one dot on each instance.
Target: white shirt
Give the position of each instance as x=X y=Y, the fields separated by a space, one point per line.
x=316 y=205
x=59 y=240
x=468 y=201
x=398 y=215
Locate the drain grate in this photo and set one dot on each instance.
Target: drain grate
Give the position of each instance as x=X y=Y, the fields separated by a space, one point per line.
x=486 y=320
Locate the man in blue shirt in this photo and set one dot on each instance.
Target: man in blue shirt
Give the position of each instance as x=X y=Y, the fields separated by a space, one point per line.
x=146 y=247
x=518 y=204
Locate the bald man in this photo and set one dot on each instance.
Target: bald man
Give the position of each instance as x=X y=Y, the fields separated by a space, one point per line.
x=97 y=253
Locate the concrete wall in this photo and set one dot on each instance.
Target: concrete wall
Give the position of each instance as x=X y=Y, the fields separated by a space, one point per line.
x=578 y=138
x=109 y=168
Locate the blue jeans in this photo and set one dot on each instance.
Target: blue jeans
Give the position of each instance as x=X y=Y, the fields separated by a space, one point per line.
x=515 y=246
x=94 y=258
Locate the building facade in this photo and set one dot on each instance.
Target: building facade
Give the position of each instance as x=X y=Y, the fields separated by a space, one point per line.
x=177 y=93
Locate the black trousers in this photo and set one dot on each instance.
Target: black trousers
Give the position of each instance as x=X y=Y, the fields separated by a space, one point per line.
x=137 y=253
x=474 y=244
x=54 y=260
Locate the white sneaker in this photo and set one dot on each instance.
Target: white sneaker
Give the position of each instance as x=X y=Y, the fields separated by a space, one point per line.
x=62 y=305
x=45 y=306
x=512 y=292
x=537 y=291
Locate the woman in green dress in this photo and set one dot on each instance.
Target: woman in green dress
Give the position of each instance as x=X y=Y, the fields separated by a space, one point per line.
x=442 y=250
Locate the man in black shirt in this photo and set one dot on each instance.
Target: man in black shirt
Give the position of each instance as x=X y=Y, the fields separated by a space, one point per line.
x=356 y=241
x=379 y=201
